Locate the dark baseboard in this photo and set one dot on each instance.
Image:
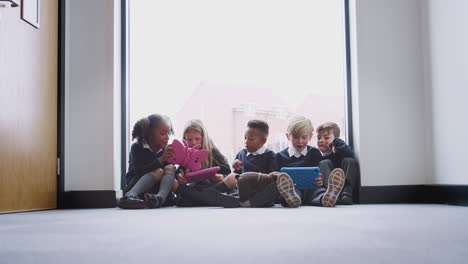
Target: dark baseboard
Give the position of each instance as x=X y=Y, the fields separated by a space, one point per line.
x=447 y=194
x=422 y=194
x=392 y=194
x=435 y=194
x=88 y=199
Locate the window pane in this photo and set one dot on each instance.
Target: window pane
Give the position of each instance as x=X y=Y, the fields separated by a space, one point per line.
x=226 y=62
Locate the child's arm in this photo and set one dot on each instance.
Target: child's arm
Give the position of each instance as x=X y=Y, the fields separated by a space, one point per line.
x=221 y=161
x=273 y=163
x=225 y=170
x=181 y=176
x=279 y=160
x=142 y=168
x=237 y=164
x=342 y=148
x=315 y=157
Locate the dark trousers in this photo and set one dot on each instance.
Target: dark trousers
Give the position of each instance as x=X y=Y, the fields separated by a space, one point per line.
x=312 y=197
x=351 y=169
x=184 y=201
x=250 y=183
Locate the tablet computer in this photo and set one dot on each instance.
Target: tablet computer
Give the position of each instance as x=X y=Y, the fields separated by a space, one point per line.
x=200 y=175
x=303 y=177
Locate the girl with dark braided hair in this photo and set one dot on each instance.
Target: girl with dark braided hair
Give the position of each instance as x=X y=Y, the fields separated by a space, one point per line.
x=148 y=170
x=150 y=178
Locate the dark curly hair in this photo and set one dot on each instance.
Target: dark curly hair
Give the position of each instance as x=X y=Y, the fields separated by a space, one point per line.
x=143 y=128
x=260 y=125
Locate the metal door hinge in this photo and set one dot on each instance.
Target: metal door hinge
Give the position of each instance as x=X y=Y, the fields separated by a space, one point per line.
x=58 y=166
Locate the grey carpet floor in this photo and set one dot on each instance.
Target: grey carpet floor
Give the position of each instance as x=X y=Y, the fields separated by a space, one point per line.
x=346 y=234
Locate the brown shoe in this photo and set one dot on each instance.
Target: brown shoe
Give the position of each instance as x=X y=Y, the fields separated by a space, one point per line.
x=336 y=182
x=286 y=188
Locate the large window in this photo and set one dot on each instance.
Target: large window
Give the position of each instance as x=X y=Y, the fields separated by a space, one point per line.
x=226 y=62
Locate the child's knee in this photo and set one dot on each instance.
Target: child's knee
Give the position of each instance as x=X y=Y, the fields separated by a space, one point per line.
x=244 y=182
x=175 y=185
x=350 y=162
x=274 y=175
x=157 y=174
x=169 y=169
x=326 y=162
x=247 y=175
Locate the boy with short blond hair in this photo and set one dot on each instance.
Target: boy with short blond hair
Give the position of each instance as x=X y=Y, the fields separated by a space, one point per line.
x=300 y=154
x=337 y=154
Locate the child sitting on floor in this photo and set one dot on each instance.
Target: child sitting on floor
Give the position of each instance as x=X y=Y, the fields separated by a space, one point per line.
x=337 y=154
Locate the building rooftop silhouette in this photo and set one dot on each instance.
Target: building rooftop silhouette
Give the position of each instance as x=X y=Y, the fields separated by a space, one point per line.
x=225 y=110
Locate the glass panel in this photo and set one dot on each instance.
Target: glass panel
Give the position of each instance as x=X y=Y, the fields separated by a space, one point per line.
x=226 y=62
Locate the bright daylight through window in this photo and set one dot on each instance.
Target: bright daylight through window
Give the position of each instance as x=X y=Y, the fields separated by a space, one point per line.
x=227 y=62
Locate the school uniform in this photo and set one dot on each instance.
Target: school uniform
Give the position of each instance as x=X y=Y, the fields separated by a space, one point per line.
x=263 y=160
x=308 y=157
x=218 y=160
x=255 y=172
x=343 y=157
x=142 y=160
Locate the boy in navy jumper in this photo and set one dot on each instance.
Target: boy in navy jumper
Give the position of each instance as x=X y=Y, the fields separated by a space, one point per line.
x=256 y=164
x=336 y=154
x=300 y=154
x=255 y=157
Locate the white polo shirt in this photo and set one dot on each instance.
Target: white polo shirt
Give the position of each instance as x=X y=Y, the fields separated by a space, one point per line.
x=259 y=151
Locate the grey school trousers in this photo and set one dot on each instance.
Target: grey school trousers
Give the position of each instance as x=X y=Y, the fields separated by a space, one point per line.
x=351 y=169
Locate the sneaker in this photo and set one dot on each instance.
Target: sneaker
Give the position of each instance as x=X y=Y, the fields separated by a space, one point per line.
x=336 y=182
x=286 y=188
x=152 y=200
x=171 y=200
x=131 y=202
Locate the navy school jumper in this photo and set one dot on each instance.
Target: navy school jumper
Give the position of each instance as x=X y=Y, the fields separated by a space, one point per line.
x=311 y=159
x=141 y=161
x=263 y=163
x=341 y=151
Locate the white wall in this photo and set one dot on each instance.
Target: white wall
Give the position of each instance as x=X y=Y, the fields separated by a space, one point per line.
x=447 y=29
x=92 y=127
x=388 y=92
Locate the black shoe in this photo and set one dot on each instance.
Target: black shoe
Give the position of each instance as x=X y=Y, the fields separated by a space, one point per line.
x=153 y=200
x=345 y=200
x=131 y=202
x=171 y=200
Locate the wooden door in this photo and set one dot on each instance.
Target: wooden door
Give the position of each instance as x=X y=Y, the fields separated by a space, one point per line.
x=28 y=112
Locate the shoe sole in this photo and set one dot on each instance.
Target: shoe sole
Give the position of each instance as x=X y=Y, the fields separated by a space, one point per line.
x=132 y=206
x=336 y=182
x=286 y=188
